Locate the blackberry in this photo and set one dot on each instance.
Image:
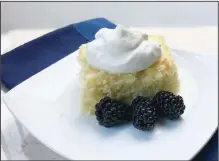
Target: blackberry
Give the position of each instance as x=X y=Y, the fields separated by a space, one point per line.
x=110 y=112
x=137 y=100
x=169 y=105
x=144 y=115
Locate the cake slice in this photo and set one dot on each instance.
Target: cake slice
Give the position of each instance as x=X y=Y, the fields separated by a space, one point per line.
x=95 y=83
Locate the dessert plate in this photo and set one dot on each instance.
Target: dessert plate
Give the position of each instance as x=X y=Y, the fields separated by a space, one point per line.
x=48 y=105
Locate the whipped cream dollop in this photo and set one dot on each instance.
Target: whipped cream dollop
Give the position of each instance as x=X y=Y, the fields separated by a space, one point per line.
x=120 y=51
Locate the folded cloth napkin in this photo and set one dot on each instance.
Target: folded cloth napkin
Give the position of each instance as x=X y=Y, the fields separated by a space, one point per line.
x=36 y=55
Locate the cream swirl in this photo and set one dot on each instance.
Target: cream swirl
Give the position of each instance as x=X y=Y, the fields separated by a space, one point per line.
x=120 y=51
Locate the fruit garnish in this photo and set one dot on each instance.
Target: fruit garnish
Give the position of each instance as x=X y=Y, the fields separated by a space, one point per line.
x=110 y=112
x=169 y=105
x=144 y=114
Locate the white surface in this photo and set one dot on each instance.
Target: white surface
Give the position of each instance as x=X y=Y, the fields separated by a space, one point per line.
x=48 y=105
x=18 y=143
x=38 y=15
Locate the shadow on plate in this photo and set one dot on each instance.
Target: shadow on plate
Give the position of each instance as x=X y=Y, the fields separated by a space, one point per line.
x=142 y=135
x=170 y=124
x=162 y=124
x=91 y=125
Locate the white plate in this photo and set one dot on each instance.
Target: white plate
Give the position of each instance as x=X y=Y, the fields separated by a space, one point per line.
x=48 y=105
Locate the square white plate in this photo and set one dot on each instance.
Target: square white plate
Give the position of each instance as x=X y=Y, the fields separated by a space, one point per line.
x=48 y=106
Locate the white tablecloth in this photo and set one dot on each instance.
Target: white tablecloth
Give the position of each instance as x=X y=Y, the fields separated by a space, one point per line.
x=18 y=144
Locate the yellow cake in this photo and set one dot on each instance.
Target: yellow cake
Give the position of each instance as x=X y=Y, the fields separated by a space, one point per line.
x=95 y=84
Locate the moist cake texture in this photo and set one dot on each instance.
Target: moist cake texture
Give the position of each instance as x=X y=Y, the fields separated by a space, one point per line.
x=95 y=84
